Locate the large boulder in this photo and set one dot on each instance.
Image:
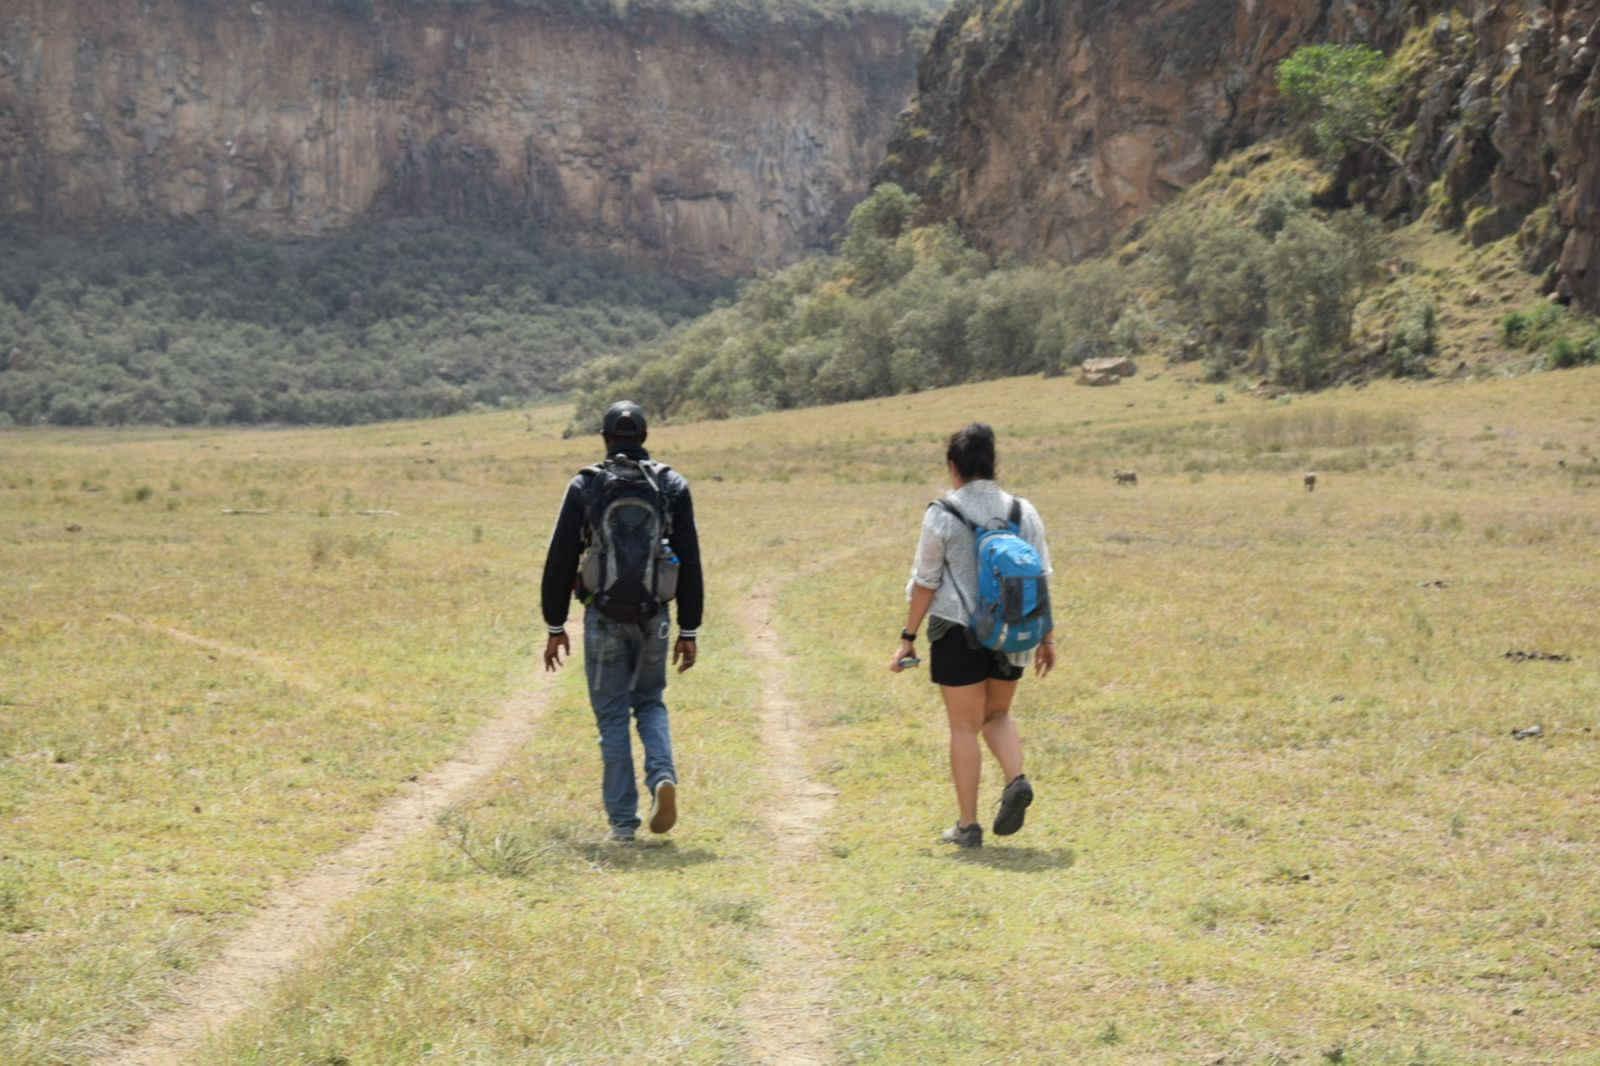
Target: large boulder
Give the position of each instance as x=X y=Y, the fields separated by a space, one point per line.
x=1119 y=365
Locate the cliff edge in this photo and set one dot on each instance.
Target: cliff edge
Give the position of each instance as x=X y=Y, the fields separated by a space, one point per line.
x=702 y=147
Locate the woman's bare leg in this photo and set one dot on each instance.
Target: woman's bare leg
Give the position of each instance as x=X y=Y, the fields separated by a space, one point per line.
x=1000 y=729
x=965 y=706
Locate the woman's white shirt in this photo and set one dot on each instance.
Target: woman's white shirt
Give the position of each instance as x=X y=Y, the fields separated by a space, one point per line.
x=947 y=557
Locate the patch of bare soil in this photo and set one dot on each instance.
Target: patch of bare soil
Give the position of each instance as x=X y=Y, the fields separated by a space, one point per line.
x=787 y=1016
x=302 y=918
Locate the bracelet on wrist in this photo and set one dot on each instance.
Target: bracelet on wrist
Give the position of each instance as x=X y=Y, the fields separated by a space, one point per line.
x=908 y=636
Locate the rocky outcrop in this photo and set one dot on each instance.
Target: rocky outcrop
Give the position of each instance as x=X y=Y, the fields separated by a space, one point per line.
x=1504 y=118
x=704 y=147
x=1046 y=127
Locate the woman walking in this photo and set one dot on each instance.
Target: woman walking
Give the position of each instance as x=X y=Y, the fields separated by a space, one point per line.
x=977 y=684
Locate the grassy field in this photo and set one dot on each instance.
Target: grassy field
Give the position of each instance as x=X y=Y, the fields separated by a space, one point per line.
x=1282 y=814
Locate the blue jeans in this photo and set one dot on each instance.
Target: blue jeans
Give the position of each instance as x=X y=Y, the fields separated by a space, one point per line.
x=627 y=669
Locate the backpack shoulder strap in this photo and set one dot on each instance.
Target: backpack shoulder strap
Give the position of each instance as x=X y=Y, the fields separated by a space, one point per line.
x=945 y=505
x=1015 y=517
x=590 y=476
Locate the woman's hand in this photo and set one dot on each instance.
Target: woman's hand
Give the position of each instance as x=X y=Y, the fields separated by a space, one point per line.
x=907 y=650
x=1044 y=658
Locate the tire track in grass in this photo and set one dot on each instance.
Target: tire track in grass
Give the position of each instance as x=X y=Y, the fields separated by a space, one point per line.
x=788 y=1015
x=303 y=917
x=283 y=670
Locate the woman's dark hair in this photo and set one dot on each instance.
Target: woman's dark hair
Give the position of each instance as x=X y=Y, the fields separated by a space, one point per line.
x=972 y=450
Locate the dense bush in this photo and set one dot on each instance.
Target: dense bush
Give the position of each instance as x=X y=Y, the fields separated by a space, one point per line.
x=898 y=309
x=1315 y=275
x=902 y=308
x=1567 y=340
x=192 y=325
x=1278 y=294
x=1531 y=329
x=1414 y=337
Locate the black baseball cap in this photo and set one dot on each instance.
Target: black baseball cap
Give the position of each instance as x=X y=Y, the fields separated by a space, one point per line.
x=623 y=419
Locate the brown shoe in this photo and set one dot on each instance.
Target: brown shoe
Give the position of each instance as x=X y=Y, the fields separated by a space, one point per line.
x=664 y=807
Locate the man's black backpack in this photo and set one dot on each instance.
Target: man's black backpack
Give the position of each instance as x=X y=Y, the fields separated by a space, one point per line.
x=629 y=568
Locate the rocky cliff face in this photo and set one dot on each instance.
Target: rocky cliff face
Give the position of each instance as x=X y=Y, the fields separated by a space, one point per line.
x=1048 y=126
x=1505 y=127
x=704 y=147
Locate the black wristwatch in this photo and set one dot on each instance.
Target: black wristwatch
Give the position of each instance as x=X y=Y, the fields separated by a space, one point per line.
x=908 y=636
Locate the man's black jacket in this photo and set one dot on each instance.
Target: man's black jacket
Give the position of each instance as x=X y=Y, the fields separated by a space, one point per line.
x=566 y=545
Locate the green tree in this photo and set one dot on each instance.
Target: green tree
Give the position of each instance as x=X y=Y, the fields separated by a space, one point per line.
x=872 y=242
x=1228 y=277
x=1313 y=282
x=1091 y=303
x=1339 y=92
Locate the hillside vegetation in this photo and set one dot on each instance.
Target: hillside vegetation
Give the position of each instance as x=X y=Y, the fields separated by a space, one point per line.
x=1245 y=277
x=1264 y=271
x=190 y=325
x=1289 y=807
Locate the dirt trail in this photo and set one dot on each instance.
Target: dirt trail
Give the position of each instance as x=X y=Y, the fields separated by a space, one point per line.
x=787 y=1015
x=303 y=917
x=282 y=669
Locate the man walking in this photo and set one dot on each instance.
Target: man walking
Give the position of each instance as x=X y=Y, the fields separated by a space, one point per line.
x=625 y=541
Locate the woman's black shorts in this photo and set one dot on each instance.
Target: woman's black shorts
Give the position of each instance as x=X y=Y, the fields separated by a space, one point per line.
x=953 y=661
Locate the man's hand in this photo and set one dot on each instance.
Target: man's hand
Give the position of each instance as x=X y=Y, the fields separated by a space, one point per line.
x=553 y=649
x=683 y=653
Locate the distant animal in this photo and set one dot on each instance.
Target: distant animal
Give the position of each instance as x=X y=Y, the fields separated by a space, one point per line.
x=1126 y=477
x=1311 y=482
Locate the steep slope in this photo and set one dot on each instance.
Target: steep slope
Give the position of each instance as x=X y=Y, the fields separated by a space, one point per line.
x=1505 y=117
x=1047 y=126
x=703 y=146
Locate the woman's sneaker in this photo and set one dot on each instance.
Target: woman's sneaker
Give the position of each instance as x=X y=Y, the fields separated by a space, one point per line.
x=964 y=836
x=1013 y=806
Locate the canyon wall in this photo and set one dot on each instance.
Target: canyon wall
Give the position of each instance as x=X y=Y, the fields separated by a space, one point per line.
x=1046 y=127
x=698 y=145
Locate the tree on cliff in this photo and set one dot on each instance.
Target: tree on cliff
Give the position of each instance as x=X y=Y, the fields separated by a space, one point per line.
x=1340 y=92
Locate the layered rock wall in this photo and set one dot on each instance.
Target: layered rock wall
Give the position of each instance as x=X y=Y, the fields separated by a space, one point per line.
x=704 y=147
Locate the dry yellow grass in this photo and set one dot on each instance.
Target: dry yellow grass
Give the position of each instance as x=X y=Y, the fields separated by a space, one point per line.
x=1281 y=812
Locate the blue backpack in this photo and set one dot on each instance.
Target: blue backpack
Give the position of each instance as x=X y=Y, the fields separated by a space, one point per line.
x=1013 y=609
